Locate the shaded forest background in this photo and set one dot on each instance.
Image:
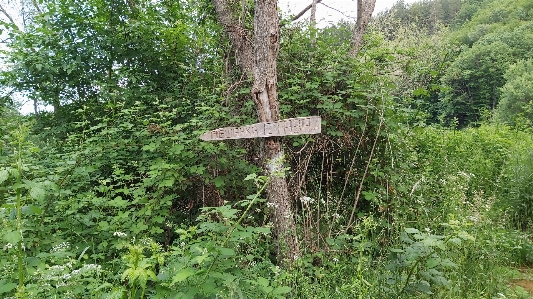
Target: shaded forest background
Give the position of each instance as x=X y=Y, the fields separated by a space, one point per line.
x=419 y=186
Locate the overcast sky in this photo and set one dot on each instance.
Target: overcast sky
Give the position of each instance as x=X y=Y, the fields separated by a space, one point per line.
x=326 y=14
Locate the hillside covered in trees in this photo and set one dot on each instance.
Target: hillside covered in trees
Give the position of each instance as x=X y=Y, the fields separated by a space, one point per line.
x=420 y=184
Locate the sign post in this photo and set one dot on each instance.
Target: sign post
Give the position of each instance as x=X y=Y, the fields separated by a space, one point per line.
x=284 y=127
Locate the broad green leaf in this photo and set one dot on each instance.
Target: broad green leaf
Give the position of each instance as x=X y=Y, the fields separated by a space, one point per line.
x=150 y=147
x=466 y=236
x=411 y=230
x=448 y=263
x=12 y=237
x=281 y=290
x=104 y=225
x=432 y=262
x=182 y=275
x=6 y=287
x=31 y=210
x=225 y=252
x=424 y=287
x=167 y=183
x=263 y=282
x=251 y=176
x=4 y=175
x=37 y=193
x=200 y=259
x=176 y=149
x=219 y=182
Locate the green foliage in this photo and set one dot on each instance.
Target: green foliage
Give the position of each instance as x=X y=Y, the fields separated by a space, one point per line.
x=114 y=196
x=139 y=268
x=218 y=257
x=477 y=75
x=423 y=260
x=76 y=52
x=428 y=15
x=475 y=78
x=516 y=106
x=465 y=62
x=479 y=18
x=355 y=110
x=517 y=184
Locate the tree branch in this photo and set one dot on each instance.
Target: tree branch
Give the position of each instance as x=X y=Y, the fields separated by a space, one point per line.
x=296 y=17
x=34 y=2
x=7 y=15
x=337 y=11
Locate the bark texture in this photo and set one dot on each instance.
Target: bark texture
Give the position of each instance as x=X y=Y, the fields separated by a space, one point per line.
x=312 y=22
x=257 y=57
x=312 y=18
x=365 y=8
x=241 y=41
x=265 y=96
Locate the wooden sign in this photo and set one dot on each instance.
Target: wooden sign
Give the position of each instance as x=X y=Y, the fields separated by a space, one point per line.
x=284 y=127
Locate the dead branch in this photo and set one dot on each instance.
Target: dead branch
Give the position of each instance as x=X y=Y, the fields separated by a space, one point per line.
x=301 y=13
x=333 y=8
x=7 y=15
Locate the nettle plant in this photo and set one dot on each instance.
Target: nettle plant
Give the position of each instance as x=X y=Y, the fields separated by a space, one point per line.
x=424 y=260
x=221 y=255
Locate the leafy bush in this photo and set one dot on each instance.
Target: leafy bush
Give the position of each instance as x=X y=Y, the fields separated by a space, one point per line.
x=516 y=106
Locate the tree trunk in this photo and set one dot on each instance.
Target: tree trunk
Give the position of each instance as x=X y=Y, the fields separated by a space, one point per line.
x=265 y=96
x=259 y=60
x=312 y=18
x=312 y=22
x=365 y=8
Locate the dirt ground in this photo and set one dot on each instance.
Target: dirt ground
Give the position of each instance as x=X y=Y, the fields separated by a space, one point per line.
x=526 y=284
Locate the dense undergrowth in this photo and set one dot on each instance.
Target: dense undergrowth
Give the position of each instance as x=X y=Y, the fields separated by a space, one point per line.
x=451 y=222
x=405 y=194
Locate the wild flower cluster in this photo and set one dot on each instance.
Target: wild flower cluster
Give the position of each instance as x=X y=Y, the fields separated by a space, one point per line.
x=61 y=247
x=307 y=200
x=120 y=234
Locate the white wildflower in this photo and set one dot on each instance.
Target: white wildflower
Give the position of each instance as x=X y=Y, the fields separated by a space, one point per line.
x=271 y=205
x=66 y=276
x=119 y=234
x=472 y=218
x=92 y=267
x=307 y=200
x=60 y=247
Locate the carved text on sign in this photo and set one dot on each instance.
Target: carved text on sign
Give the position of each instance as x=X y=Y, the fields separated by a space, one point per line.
x=289 y=126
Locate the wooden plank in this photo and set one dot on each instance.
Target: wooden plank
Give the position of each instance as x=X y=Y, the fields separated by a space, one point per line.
x=284 y=127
